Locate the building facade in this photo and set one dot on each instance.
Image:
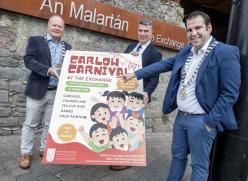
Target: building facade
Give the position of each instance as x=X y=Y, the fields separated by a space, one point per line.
x=15 y=29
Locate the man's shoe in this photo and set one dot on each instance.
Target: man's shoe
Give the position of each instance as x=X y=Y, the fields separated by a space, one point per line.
x=118 y=167
x=25 y=161
x=41 y=154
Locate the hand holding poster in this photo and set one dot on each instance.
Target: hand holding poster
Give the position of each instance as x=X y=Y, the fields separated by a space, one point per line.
x=97 y=118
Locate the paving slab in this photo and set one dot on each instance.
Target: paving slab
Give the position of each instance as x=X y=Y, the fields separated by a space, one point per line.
x=158 y=159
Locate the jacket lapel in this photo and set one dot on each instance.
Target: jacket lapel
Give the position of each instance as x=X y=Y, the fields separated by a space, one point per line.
x=131 y=47
x=146 y=53
x=204 y=64
x=181 y=60
x=47 y=49
x=203 y=67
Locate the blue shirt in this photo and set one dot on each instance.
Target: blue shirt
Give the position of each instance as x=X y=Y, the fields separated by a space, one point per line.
x=56 y=57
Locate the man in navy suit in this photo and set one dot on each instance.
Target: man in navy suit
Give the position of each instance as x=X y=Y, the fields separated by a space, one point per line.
x=44 y=57
x=150 y=54
x=204 y=86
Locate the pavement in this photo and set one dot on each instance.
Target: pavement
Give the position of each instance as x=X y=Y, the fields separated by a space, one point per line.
x=158 y=162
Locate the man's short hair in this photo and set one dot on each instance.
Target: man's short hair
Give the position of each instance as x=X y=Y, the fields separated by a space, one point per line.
x=55 y=15
x=194 y=14
x=146 y=22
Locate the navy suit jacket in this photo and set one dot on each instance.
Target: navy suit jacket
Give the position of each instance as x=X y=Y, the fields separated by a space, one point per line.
x=150 y=55
x=38 y=59
x=217 y=83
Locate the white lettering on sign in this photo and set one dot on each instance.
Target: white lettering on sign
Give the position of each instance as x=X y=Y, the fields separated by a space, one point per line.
x=47 y=5
x=57 y=6
x=112 y=21
x=88 y=16
x=158 y=38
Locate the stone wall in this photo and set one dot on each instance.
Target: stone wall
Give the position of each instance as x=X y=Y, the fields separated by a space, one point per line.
x=15 y=30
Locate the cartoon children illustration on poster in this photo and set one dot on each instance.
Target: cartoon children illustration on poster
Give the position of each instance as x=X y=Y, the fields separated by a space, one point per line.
x=135 y=129
x=97 y=118
x=116 y=101
x=98 y=138
x=135 y=105
x=125 y=127
x=100 y=114
x=119 y=139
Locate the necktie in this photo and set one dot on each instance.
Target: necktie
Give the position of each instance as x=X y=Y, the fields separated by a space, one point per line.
x=139 y=47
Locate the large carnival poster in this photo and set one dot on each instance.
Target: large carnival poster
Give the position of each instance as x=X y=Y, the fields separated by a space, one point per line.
x=97 y=118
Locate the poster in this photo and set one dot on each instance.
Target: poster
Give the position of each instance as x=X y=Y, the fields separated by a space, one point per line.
x=97 y=119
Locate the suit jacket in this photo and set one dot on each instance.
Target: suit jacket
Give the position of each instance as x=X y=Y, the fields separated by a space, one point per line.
x=150 y=55
x=217 y=83
x=38 y=59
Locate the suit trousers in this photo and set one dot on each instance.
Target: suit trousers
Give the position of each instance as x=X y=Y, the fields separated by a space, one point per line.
x=37 y=112
x=190 y=136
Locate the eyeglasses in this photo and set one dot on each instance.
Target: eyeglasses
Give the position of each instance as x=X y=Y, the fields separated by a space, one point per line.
x=146 y=22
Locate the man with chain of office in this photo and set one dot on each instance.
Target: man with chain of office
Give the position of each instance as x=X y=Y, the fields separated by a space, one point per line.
x=204 y=86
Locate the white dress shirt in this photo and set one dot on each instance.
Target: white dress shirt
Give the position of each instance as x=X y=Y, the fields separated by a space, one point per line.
x=190 y=104
x=143 y=47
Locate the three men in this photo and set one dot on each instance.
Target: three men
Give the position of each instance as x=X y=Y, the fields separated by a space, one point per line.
x=44 y=57
x=204 y=85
